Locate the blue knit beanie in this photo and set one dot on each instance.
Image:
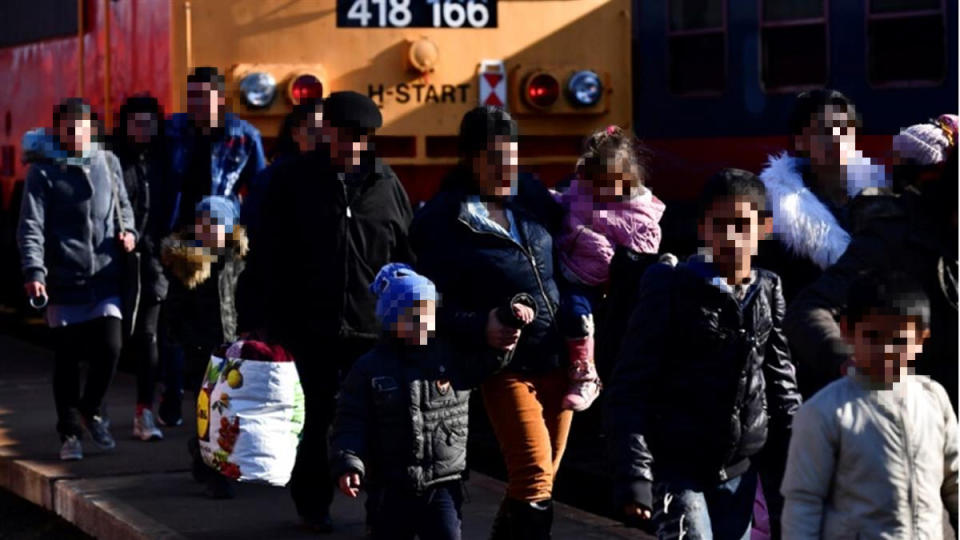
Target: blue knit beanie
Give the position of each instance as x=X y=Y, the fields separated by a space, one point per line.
x=397 y=288
x=223 y=210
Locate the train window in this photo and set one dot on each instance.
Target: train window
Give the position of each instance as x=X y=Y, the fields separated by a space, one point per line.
x=793 y=36
x=697 y=46
x=791 y=10
x=696 y=14
x=887 y=6
x=28 y=22
x=906 y=42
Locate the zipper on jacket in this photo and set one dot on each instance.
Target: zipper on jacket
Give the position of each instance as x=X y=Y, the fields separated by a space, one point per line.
x=93 y=202
x=530 y=259
x=908 y=454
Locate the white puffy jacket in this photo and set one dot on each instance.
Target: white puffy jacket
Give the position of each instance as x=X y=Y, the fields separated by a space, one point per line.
x=871 y=464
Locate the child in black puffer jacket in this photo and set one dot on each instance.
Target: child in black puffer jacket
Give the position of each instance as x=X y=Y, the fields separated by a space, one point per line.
x=410 y=392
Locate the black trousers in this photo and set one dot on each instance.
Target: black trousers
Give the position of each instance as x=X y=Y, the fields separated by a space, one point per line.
x=96 y=343
x=320 y=366
x=144 y=347
x=432 y=515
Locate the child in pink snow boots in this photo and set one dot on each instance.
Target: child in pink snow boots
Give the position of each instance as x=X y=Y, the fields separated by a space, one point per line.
x=607 y=205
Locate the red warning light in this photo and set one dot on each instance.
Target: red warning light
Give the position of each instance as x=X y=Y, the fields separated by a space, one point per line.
x=304 y=87
x=542 y=90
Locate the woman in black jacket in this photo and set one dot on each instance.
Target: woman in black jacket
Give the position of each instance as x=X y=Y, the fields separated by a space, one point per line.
x=482 y=246
x=138 y=144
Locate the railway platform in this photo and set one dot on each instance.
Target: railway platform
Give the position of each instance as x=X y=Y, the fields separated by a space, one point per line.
x=144 y=490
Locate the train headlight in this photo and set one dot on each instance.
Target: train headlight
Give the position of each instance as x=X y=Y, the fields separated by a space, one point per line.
x=584 y=88
x=258 y=89
x=542 y=90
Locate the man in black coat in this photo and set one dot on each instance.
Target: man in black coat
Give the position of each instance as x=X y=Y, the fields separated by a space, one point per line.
x=914 y=232
x=331 y=219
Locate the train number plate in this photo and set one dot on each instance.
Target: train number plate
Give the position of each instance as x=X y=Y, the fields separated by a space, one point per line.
x=417 y=13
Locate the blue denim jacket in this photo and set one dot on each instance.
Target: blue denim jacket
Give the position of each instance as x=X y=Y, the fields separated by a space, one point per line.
x=234 y=161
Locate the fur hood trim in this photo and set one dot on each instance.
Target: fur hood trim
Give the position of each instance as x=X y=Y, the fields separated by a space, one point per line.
x=800 y=220
x=191 y=264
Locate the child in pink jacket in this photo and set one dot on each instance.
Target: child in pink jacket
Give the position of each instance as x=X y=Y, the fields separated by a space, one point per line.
x=607 y=205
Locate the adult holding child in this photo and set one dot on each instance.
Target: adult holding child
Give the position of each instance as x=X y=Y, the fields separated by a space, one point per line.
x=483 y=243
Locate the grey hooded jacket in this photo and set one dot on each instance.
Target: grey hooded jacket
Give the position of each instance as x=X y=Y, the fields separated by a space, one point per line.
x=67 y=233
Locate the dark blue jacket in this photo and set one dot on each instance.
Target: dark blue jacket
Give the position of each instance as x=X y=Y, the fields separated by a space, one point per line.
x=476 y=271
x=402 y=414
x=235 y=159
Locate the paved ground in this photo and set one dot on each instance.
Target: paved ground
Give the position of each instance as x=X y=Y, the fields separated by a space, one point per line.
x=143 y=490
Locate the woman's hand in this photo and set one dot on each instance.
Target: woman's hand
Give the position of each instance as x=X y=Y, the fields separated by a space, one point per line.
x=127 y=241
x=35 y=289
x=499 y=336
x=350 y=484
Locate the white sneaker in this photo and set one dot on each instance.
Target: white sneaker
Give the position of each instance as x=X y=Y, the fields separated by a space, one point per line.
x=71 y=450
x=144 y=427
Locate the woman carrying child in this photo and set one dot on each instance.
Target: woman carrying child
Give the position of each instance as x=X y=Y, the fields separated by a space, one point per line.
x=481 y=242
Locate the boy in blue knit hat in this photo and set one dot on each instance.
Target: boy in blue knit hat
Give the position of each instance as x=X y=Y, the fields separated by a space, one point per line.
x=400 y=430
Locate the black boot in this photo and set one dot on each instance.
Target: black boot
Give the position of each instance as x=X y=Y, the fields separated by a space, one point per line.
x=530 y=520
x=501 y=523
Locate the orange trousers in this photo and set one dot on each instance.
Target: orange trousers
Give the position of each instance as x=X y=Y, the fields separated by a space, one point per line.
x=531 y=428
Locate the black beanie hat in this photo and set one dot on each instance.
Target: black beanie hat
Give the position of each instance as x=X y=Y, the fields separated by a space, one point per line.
x=351 y=110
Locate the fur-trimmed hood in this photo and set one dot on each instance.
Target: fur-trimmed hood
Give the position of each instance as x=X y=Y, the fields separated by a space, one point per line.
x=192 y=264
x=800 y=220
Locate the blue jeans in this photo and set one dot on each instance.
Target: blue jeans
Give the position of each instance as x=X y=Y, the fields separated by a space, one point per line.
x=399 y=514
x=576 y=301
x=689 y=510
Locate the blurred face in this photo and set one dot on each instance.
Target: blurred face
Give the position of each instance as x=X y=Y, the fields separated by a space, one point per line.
x=205 y=104
x=616 y=180
x=347 y=146
x=884 y=346
x=77 y=133
x=142 y=127
x=731 y=230
x=306 y=134
x=830 y=138
x=495 y=169
x=209 y=233
x=418 y=324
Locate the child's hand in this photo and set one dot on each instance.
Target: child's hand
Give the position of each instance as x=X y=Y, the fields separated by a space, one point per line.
x=634 y=510
x=350 y=484
x=500 y=336
x=524 y=313
x=127 y=241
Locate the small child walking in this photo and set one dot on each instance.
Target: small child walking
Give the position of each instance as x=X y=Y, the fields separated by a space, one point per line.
x=607 y=205
x=400 y=429
x=874 y=454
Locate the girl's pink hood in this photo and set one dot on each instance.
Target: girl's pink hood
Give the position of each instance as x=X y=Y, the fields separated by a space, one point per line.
x=590 y=234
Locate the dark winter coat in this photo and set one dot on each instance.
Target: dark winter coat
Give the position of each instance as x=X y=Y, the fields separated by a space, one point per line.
x=143 y=176
x=326 y=244
x=702 y=384
x=200 y=310
x=477 y=270
x=402 y=414
x=891 y=234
